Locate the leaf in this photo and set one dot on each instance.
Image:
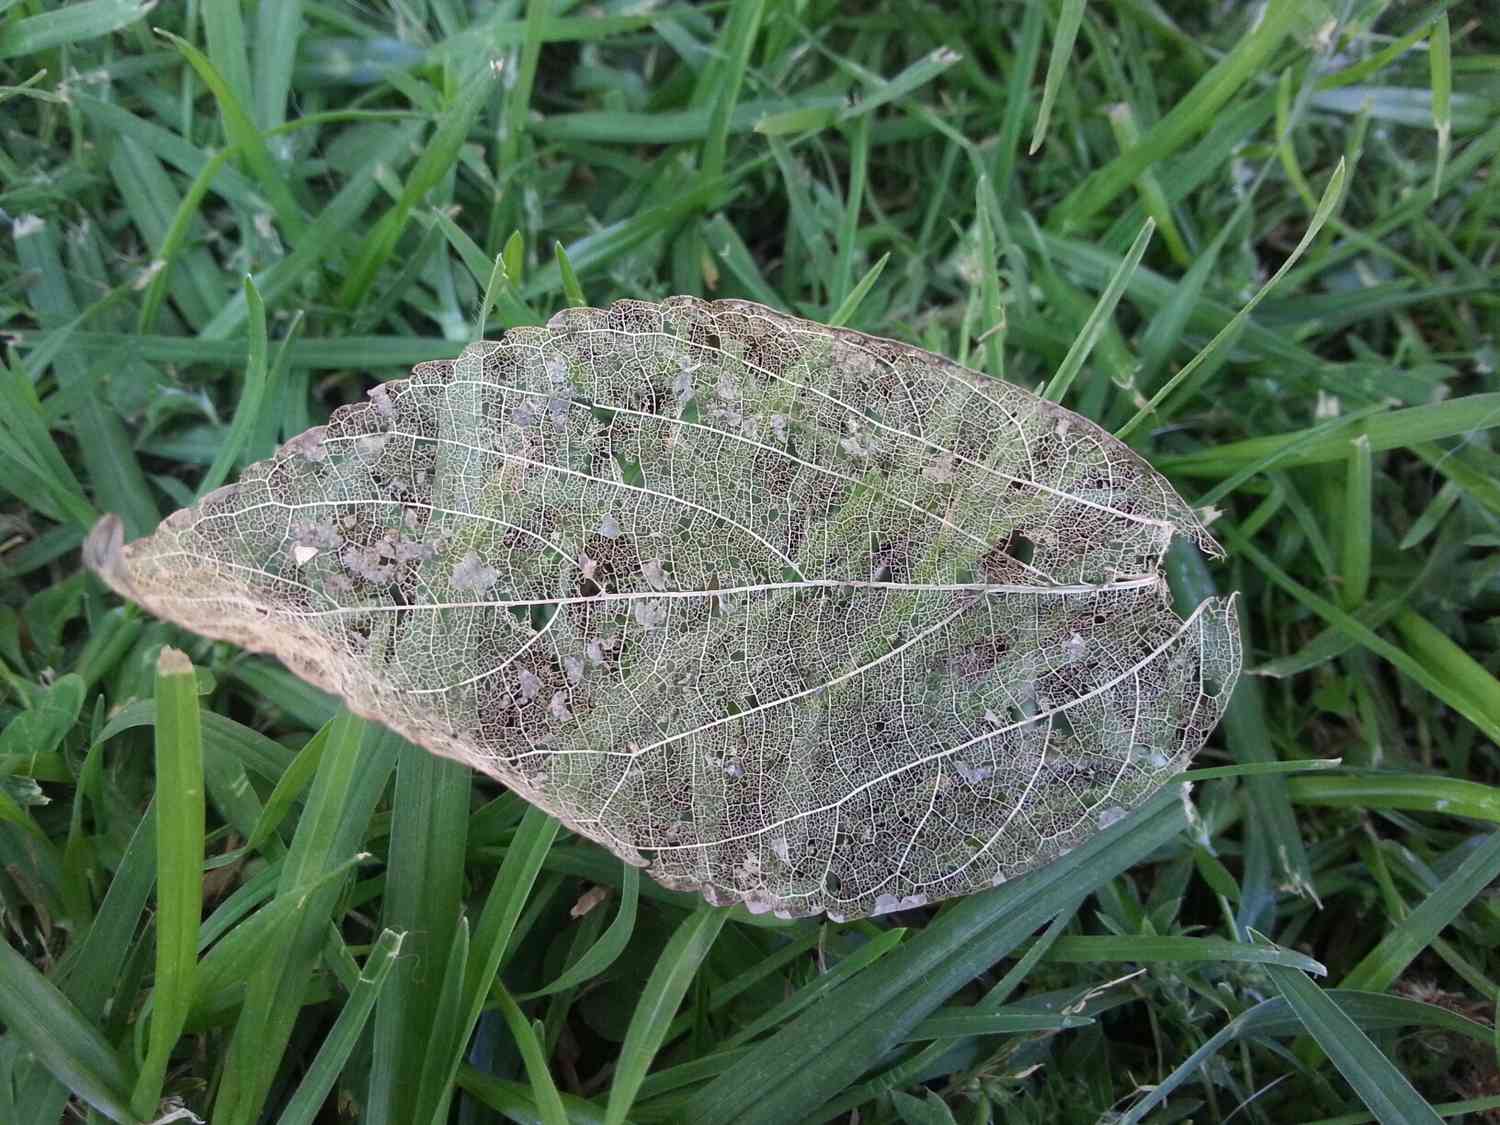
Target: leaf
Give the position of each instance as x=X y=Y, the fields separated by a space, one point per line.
x=792 y=616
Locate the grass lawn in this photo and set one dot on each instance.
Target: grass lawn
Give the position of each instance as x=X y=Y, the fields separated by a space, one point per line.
x=223 y=897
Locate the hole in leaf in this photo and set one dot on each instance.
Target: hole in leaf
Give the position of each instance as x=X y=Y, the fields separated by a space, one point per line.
x=1019 y=547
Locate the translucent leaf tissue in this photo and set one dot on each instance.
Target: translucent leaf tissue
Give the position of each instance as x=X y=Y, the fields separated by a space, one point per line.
x=791 y=615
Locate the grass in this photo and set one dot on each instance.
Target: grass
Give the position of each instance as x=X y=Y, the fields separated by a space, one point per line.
x=226 y=220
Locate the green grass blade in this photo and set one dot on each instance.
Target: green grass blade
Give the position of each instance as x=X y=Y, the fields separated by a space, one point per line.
x=1069 y=17
x=25 y=440
x=854 y=197
x=492 y=938
x=1440 y=62
x=1394 y=429
x=68 y=24
x=1383 y=965
x=529 y=1043
x=179 y=868
x=517 y=1102
x=572 y=291
x=1383 y=1088
x=1190 y=116
x=663 y=993
x=303 y=1107
x=792 y=1073
x=818 y=988
x=1146 y=948
x=1099 y=318
x=351 y=777
x=604 y=952
x=1400 y=790
x=1358 y=529
x=1331 y=196
x=424 y=900
x=1448 y=662
x=243 y=134
x=42 y=1018
x=113 y=470
x=740 y=31
x=1476 y=708
x=1276 y=1018
x=961 y=1025
x=247 y=414
x=845 y=312
x=436 y=158
x=278 y=30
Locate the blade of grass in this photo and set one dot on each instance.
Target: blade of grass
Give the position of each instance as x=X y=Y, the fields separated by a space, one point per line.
x=786 y=1077
x=1193 y=114
x=1384 y=1089
x=1449 y=662
x=432 y=165
x=351 y=777
x=1358 y=528
x=1276 y=1018
x=1476 y=708
x=303 y=1107
x=66 y=1043
x=854 y=196
x=424 y=900
x=1440 y=62
x=1452 y=795
x=25 y=440
x=504 y=212
x=517 y=1102
x=179 y=868
x=991 y=311
x=572 y=291
x=1227 y=335
x=1394 y=429
x=1018 y=96
x=1069 y=16
x=528 y=1041
x=1147 y=948
x=68 y=24
x=1274 y=851
x=247 y=413
x=492 y=939
x=1148 y=187
x=663 y=993
x=845 y=312
x=113 y=471
x=604 y=952
x=740 y=31
x=1401 y=945
x=1099 y=319
x=278 y=31
x=242 y=133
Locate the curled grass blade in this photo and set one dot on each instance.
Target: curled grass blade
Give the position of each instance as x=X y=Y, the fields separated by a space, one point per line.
x=603 y=953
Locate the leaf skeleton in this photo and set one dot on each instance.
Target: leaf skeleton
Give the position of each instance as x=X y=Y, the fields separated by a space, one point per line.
x=790 y=615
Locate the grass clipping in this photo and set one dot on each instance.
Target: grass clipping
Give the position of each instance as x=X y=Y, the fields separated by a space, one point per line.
x=790 y=615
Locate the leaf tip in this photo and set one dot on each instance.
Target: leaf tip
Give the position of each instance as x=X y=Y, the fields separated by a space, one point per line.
x=104 y=552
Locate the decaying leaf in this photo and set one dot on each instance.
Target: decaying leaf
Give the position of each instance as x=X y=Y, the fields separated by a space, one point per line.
x=791 y=615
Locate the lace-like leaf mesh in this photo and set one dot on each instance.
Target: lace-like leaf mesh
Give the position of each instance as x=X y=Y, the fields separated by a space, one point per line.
x=792 y=615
